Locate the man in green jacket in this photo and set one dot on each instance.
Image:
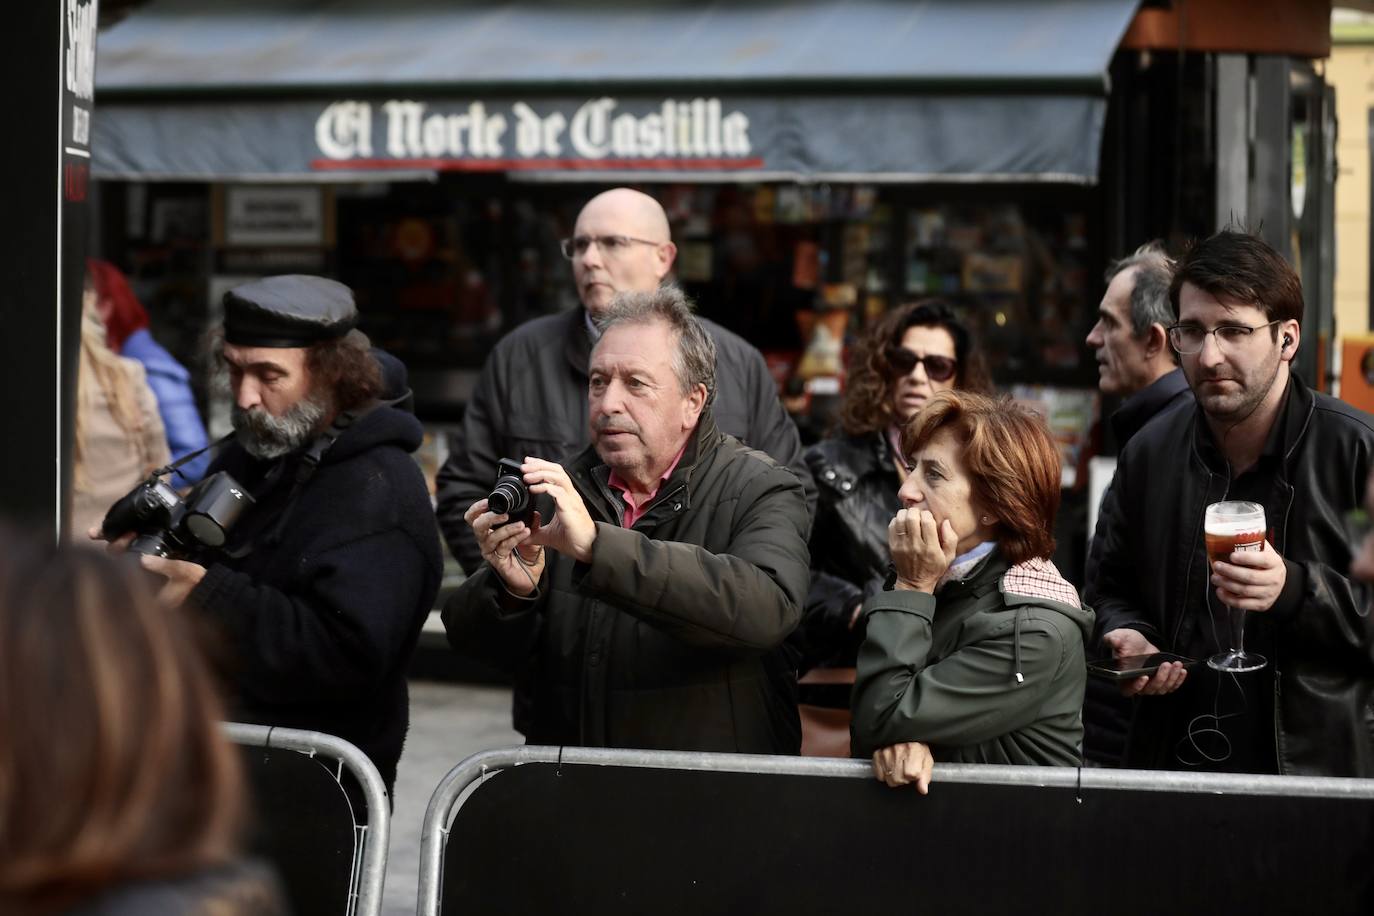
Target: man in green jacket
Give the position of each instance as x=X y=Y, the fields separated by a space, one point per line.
x=650 y=611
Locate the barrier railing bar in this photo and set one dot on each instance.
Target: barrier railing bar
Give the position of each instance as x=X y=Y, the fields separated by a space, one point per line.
x=375 y=845
x=443 y=803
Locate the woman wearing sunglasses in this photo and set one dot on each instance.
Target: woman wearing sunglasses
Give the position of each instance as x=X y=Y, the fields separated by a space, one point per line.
x=915 y=351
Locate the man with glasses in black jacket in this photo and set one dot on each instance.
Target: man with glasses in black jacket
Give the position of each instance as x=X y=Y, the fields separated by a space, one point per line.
x=1255 y=433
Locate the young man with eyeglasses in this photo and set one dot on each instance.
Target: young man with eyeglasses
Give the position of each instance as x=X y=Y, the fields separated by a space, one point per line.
x=1255 y=433
x=531 y=398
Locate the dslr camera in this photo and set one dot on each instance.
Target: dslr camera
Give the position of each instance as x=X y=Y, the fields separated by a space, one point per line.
x=511 y=496
x=167 y=525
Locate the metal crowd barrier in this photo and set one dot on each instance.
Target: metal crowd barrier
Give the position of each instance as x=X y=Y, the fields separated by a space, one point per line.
x=331 y=759
x=1132 y=841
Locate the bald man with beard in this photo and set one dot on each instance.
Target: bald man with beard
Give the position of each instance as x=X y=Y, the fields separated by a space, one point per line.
x=531 y=398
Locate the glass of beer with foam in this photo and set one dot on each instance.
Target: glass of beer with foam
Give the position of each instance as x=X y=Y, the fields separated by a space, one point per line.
x=1229 y=527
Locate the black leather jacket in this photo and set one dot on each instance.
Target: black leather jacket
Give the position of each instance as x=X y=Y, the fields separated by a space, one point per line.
x=857 y=497
x=1154 y=571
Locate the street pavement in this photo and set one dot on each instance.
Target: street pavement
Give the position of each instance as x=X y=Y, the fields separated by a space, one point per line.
x=448 y=722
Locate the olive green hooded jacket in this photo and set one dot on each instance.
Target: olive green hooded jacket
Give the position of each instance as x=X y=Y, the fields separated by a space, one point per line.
x=989 y=669
x=672 y=636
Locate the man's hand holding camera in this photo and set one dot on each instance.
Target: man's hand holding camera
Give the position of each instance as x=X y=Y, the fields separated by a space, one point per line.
x=158 y=524
x=514 y=549
x=181 y=575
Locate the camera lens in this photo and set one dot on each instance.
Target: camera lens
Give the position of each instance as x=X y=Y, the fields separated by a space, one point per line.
x=213 y=507
x=507 y=497
x=154 y=545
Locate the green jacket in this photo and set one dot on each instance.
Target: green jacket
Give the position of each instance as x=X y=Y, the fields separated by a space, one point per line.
x=990 y=669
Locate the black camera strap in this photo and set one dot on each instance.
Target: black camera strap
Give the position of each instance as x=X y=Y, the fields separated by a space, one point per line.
x=310 y=463
x=175 y=466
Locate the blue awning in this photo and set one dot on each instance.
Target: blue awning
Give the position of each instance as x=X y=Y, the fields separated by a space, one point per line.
x=945 y=90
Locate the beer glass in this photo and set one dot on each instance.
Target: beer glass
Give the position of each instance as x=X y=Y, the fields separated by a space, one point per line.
x=1228 y=527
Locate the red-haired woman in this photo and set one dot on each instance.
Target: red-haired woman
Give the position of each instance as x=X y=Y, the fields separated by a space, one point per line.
x=976 y=654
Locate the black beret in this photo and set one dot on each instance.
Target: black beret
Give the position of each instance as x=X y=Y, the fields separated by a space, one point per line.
x=292 y=310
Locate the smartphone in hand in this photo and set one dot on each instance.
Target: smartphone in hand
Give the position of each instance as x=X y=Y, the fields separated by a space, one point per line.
x=1130 y=667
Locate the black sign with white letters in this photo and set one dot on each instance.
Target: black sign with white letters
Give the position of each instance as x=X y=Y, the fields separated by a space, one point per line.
x=49 y=72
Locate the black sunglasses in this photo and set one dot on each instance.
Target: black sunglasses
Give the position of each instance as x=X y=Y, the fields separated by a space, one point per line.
x=938 y=368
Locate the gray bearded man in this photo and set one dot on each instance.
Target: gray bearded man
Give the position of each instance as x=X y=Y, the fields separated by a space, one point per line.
x=325 y=581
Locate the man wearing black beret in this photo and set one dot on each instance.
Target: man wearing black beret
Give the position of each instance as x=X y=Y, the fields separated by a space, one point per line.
x=326 y=581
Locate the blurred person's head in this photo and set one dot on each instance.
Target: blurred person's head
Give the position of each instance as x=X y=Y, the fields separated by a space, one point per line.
x=119 y=308
x=912 y=353
x=1131 y=336
x=620 y=244
x=990 y=467
x=294 y=360
x=113 y=767
x=652 y=374
x=1238 y=307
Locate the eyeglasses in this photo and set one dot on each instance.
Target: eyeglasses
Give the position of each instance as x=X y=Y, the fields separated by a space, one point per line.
x=1188 y=339
x=938 y=368
x=612 y=246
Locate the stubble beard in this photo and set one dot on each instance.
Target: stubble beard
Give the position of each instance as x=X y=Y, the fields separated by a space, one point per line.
x=1236 y=407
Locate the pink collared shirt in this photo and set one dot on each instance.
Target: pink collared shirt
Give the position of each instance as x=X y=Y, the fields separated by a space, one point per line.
x=635 y=511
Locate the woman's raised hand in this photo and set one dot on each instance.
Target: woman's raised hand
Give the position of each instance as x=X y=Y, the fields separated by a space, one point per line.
x=921 y=549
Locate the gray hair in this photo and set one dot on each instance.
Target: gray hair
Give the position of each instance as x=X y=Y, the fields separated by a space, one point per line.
x=695 y=358
x=1150 y=294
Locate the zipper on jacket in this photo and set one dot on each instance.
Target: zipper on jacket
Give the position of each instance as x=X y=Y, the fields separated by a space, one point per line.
x=1278 y=675
x=1278 y=729
x=662 y=499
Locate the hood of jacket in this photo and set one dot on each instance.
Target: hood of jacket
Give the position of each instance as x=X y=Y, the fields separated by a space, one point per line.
x=1033 y=586
x=379 y=426
x=1039 y=582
